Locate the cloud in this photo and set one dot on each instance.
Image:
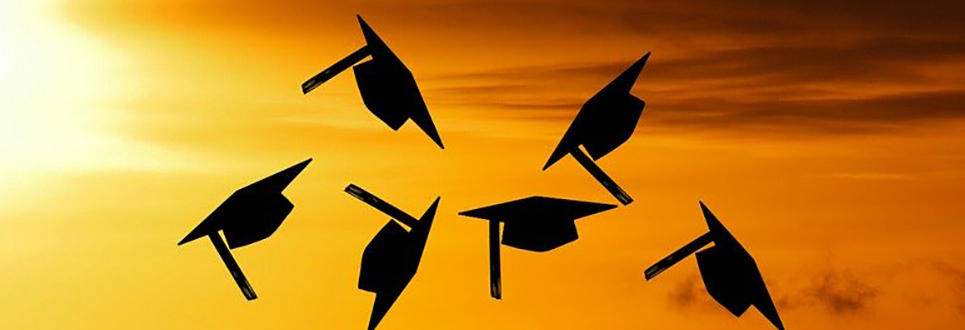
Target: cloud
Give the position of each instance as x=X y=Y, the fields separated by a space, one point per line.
x=873 y=176
x=781 y=71
x=733 y=18
x=767 y=95
x=957 y=275
x=744 y=68
x=827 y=115
x=841 y=294
x=688 y=293
x=837 y=292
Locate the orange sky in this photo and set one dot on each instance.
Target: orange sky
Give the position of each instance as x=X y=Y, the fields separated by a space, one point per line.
x=825 y=136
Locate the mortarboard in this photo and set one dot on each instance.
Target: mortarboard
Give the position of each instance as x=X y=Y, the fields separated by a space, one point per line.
x=249 y=215
x=392 y=257
x=534 y=224
x=605 y=122
x=388 y=88
x=729 y=272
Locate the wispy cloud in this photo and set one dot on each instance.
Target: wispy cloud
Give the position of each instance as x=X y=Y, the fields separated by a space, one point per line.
x=744 y=68
x=689 y=293
x=873 y=176
x=840 y=293
x=957 y=275
x=837 y=292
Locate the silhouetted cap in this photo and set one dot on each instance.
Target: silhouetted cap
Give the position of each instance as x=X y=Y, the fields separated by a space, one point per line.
x=606 y=120
x=391 y=259
x=730 y=274
x=249 y=215
x=252 y=213
x=536 y=224
x=387 y=86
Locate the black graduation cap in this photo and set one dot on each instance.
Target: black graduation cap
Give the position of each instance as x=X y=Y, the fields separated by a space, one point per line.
x=391 y=259
x=249 y=215
x=535 y=223
x=605 y=122
x=388 y=89
x=729 y=272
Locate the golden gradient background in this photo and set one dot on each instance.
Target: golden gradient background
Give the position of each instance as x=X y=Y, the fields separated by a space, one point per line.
x=826 y=136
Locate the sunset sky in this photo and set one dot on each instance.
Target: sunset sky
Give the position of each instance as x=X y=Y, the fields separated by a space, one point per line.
x=826 y=135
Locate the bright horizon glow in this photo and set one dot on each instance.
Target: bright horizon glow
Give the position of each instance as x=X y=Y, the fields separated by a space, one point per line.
x=58 y=87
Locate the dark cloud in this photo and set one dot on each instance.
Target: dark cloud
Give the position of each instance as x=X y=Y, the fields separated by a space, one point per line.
x=742 y=24
x=882 y=60
x=832 y=115
x=688 y=293
x=782 y=90
x=957 y=275
x=784 y=69
x=841 y=294
x=745 y=68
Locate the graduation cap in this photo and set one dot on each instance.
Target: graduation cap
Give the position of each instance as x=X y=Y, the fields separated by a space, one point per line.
x=249 y=215
x=729 y=272
x=388 y=89
x=535 y=223
x=605 y=122
x=391 y=259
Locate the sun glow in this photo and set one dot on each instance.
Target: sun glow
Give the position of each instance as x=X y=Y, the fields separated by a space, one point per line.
x=54 y=83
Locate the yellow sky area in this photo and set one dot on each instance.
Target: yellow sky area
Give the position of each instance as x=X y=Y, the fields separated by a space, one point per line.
x=124 y=123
